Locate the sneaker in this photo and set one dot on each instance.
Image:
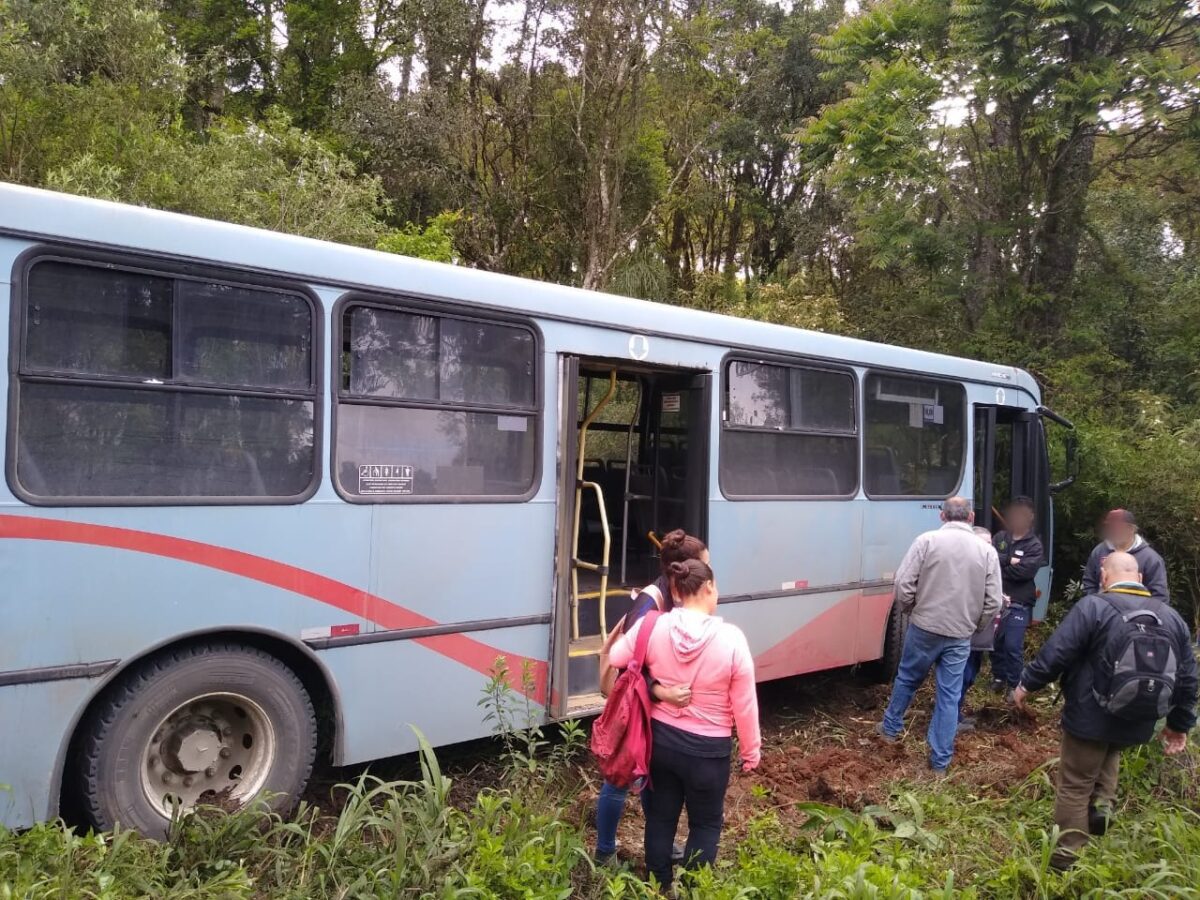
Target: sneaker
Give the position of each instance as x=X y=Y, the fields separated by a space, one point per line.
x=966 y=725
x=883 y=733
x=998 y=686
x=939 y=774
x=677 y=851
x=605 y=859
x=1098 y=821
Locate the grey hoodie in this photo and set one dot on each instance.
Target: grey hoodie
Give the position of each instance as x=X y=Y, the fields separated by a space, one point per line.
x=1150 y=564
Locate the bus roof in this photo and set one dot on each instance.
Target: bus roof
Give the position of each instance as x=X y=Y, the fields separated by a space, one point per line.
x=39 y=214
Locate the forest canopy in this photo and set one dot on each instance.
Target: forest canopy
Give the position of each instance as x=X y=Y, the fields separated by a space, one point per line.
x=1014 y=180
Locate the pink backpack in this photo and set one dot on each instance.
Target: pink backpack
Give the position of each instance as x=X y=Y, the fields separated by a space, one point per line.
x=621 y=739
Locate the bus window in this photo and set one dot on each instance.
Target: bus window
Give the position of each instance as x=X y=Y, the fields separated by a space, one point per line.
x=788 y=432
x=915 y=436
x=137 y=385
x=435 y=406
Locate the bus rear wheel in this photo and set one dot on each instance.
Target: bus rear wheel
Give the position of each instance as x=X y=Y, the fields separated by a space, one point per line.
x=214 y=723
x=893 y=645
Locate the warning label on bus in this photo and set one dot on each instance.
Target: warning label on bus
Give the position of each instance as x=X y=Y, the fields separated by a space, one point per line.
x=385 y=480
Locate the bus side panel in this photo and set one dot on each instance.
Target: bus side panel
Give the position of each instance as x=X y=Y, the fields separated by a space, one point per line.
x=771 y=547
x=454 y=563
x=797 y=634
x=391 y=687
x=888 y=531
x=77 y=600
x=35 y=717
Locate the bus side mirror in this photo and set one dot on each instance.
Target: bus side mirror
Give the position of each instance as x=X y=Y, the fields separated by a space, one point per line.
x=1071 y=447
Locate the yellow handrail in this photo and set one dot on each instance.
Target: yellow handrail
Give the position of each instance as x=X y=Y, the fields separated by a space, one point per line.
x=580 y=484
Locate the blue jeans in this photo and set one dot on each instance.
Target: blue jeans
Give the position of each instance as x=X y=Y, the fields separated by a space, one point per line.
x=924 y=650
x=610 y=806
x=970 y=673
x=1008 y=655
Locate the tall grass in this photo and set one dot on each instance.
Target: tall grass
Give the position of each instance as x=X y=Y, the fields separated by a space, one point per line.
x=406 y=839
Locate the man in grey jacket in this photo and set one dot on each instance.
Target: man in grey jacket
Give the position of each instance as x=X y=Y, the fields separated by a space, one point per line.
x=949 y=584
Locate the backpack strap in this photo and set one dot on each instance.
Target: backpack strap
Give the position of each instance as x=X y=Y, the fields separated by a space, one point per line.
x=643 y=640
x=1128 y=615
x=653 y=591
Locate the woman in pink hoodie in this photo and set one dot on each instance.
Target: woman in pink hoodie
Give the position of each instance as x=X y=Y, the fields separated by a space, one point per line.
x=690 y=760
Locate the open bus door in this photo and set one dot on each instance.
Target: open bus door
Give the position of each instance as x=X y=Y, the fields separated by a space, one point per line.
x=1011 y=460
x=633 y=465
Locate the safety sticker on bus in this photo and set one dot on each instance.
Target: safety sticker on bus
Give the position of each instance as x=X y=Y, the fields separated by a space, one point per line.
x=385 y=479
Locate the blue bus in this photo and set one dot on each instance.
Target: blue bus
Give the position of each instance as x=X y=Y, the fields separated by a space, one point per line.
x=269 y=500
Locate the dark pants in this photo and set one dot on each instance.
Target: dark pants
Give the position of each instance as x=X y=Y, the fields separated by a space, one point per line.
x=679 y=779
x=1087 y=779
x=970 y=673
x=1008 y=655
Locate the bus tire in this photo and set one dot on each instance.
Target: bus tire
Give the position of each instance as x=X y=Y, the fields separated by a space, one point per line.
x=214 y=723
x=893 y=645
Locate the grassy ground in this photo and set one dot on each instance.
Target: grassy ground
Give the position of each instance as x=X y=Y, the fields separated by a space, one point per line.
x=833 y=813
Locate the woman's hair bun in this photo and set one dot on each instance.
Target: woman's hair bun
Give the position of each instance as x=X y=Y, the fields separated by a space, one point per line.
x=674 y=538
x=678 y=568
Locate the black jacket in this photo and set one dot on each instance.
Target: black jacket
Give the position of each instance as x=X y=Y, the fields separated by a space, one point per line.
x=1071 y=653
x=1018 y=579
x=1151 y=565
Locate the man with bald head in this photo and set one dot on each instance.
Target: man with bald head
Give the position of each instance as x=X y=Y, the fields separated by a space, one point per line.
x=1125 y=661
x=949 y=585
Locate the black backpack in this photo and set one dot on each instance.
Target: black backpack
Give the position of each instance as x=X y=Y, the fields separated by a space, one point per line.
x=1135 y=674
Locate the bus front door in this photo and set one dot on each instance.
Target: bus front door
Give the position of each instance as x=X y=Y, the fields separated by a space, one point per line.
x=633 y=466
x=1011 y=461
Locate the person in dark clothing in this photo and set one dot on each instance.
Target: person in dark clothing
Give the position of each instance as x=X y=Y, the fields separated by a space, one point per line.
x=1120 y=532
x=676 y=546
x=1093 y=737
x=982 y=641
x=1021 y=555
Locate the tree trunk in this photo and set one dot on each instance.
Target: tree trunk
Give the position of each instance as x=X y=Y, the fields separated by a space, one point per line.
x=1056 y=247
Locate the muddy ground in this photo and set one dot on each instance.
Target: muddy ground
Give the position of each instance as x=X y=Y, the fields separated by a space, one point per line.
x=819 y=745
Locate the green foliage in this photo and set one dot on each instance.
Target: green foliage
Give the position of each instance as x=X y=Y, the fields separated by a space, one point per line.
x=434 y=241
x=534 y=762
x=1014 y=181
x=270 y=175
x=406 y=838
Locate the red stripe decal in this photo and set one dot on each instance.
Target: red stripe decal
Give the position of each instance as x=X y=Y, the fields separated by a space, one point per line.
x=458 y=647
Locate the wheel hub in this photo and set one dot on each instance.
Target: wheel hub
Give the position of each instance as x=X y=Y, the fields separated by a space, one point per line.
x=214 y=748
x=193 y=748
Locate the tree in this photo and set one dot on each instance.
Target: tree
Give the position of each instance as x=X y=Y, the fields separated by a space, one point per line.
x=990 y=112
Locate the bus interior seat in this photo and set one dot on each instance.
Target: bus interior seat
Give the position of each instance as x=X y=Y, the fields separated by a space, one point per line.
x=942 y=480
x=460 y=480
x=883 y=471
x=818 y=481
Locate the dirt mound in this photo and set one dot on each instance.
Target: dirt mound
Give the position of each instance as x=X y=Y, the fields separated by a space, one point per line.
x=819 y=744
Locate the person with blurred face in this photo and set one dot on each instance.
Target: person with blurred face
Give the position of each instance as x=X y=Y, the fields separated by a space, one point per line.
x=1021 y=555
x=1120 y=532
x=1124 y=660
